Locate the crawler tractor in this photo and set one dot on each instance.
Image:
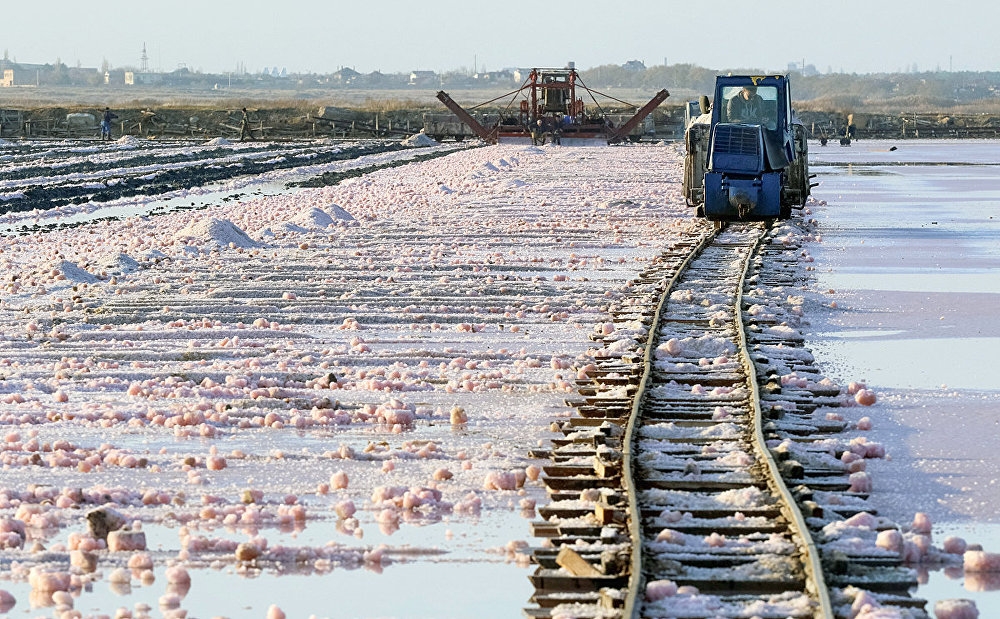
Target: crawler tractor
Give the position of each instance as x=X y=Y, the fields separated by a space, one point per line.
x=746 y=155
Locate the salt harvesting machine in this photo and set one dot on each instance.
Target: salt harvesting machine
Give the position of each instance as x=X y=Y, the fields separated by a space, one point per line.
x=548 y=102
x=746 y=155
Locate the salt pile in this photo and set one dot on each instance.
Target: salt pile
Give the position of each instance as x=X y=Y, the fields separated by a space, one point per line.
x=311 y=219
x=218 y=231
x=75 y=273
x=128 y=141
x=420 y=139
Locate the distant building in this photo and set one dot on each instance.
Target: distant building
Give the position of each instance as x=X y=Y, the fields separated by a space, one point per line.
x=634 y=66
x=423 y=78
x=345 y=76
x=20 y=74
x=133 y=78
x=504 y=75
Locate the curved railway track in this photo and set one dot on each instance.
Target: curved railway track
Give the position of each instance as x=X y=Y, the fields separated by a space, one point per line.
x=701 y=476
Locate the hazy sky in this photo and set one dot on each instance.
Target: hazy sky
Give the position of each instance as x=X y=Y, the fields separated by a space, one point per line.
x=395 y=36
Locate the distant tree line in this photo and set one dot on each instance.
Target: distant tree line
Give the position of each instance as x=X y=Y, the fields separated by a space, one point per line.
x=960 y=92
x=914 y=92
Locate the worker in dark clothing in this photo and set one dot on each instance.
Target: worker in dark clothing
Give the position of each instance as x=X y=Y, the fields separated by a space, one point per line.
x=106 y=124
x=245 y=131
x=747 y=106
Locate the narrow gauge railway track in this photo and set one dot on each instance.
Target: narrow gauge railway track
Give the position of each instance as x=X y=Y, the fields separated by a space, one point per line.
x=697 y=474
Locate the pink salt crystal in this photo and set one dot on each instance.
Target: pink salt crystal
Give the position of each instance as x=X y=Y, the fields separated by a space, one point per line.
x=956 y=609
x=910 y=552
x=921 y=523
x=48 y=581
x=865 y=423
x=86 y=561
x=62 y=599
x=122 y=540
x=458 y=416
x=854 y=387
x=7 y=601
x=177 y=575
x=715 y=540
x=671 y=536
x=862 y=519
x=863 y=602
x=659 y=589
x=345 y=509
x=865 y=397
x=954 y=545
x=140 y=561
x=442 y=475
x=860 y=482
x=119 y=575
x=273 y=612
x=890 y=539
x=338 y=480
x=980 y=561
x=532 y=472
x=500 y=480
x=215 y=463
x=170 y=600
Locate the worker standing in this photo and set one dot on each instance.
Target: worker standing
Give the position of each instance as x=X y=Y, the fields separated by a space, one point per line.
x=245 y=131
x=106 y=124
x=536 y=132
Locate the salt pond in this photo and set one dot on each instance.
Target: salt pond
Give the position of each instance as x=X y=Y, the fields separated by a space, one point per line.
x=909 y=268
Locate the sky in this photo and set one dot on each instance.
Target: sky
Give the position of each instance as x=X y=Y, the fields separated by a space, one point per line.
x=397 y=36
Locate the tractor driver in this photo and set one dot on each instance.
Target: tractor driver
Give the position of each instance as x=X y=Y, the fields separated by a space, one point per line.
x=747 y=106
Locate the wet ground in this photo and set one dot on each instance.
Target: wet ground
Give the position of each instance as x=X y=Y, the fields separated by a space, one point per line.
x=910 y=269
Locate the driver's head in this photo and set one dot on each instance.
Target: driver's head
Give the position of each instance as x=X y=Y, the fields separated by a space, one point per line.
x=749 y=91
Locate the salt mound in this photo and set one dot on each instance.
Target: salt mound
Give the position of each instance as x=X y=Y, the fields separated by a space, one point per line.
x=128 y=141
x=120 y=264
x=221 y=231
x=312 y=219
x=218 y=142
x=420 y=139
x=339 y=213
x=75 y=273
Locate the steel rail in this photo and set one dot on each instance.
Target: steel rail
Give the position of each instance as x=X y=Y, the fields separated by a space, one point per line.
x=637 y=580
x=815 y=581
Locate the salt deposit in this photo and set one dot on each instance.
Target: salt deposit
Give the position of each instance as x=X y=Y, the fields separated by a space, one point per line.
x=211 y=387
x=374 y=372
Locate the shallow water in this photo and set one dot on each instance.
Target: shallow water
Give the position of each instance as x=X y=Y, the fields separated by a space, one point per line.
x=909 y=268
x=402 y=588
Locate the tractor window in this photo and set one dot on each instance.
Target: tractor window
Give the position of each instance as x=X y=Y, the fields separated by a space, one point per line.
x=758 y=107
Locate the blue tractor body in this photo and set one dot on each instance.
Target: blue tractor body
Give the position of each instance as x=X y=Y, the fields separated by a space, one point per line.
x=746 y=160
